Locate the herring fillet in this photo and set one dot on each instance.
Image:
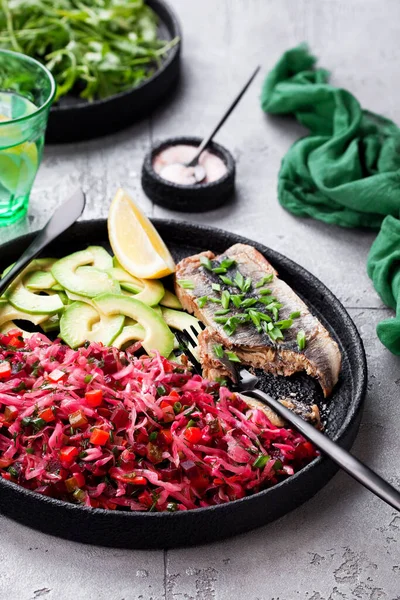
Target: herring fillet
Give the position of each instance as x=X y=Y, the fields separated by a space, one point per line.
x=321 y=357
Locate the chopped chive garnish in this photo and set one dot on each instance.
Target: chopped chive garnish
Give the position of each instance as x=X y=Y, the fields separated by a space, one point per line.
x=264 y=291
x=253 y=314
x=221 y=320
x=247 y=285
x=206 y=263
x=219 y=270
x=177 y=407
x=223 y=311
x=202 y=301
x=227 y=263
x=191 y=423
x=277 y=465
x=264 y=317
x=248 y=302
x=215 y=300
x=264 y=280
x=221 y=380
x=153 y=436
x=88 y=378
x=295 y=315
x=237 y=300
x=216 y=287
x=239 y=280
x=230 y=326
x=218 y=350
x=284 y=324
x=13 y=471
x=270 y=326
x=301 y=339
x=225 y=298
x=161 y=390
x=232 y=356
x=275 y=313
x=186 y=284
x=261 y=461
x=275 y=333
x=29 y=450
x=226 y=280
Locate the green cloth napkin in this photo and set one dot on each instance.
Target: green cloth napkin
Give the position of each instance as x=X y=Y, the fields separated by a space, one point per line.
x=345 y=172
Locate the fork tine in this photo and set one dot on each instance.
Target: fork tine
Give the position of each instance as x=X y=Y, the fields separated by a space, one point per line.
x=183 y=338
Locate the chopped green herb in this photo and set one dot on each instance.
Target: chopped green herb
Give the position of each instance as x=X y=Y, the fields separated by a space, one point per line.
x=206 y=263
x=202 y=301
x=215 y=300
x=247 y=285
x=221 y=380
x=88 y=378
x=221 y=320
x=20 y=387
x=225 y=299
x=265 y=291
x=186 y=284
x=218 y=350
x=226 y=280
x=29 y=450
x=264 y=280
x=264 y=317
x=216 y=287
x=253 y=314
x=277 y=465
x=301 y=339
x=223 y=311
x=227 y=263
x=295 y=315
x=219 y=270
x=177 y=407
x=38 y=424
x=26 y=421
x=284 y=324
x=237 y=300
x=248 y=302
x=153 y=436
x=191 y=423
x=161 y=390
x=261 y=461
x=239 y=280
x=232 y=356
x=275 y=333
x=13 y=471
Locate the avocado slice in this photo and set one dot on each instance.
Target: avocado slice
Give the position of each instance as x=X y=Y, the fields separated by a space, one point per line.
x=51 y=324
x=81 y=322
x=130 y=333
x=79 y=274
x=39 y=280
x=148 y=291
x=9 y=313
x=101 y=259
x=170 y=300
x=177 y=319
x=158 y=335
x=29 y=302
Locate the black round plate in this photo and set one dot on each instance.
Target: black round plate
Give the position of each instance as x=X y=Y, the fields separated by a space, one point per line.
x=163 y=530
x=74 y=119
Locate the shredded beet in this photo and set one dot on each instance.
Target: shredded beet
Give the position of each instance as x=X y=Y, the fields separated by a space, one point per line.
x=109 y=429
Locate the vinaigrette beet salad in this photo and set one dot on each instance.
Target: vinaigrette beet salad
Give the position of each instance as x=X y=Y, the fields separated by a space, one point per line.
x=109 y=429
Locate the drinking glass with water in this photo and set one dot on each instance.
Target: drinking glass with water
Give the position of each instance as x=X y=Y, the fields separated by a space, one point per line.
x=27 y=90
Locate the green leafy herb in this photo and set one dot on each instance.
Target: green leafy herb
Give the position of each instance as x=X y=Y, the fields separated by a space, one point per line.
x=216 y=287
x=225 y=299
x=221 y=320
x=261 y=461
x=96 y=48
x=88 y=378
x=191 y=423
x=202 y=301
x=227 y=263
x=301 y=339
x=232 y=356
x=186 y=284
x=13 y=471
x=237 y=300
x=226 y=280
x=264 y=280
x=206 y=263
x=153 y=436
x=215 y=300
x=295 y=315
x=239 y=280
x=264 y=291
x=219 y=270
x=284 y=324
x=177 y=407
x=161 y=390
x=275 y=333
x=247 y=285
x=277 y=465
x=223 y=311
x=248 y=302
x=218 y=350
x=221 y=380
x=29 y=450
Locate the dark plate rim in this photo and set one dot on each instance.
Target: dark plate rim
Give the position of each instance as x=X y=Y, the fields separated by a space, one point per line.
x=360 y=384
x=175 y=30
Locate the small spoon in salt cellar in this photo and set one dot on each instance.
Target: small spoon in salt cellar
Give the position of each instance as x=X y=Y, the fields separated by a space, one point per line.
x=199 y=173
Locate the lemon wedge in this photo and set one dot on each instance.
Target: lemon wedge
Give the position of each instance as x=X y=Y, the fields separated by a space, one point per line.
x=135 y=242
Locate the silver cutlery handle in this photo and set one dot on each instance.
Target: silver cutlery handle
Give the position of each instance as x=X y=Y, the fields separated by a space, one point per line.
x=354 y=467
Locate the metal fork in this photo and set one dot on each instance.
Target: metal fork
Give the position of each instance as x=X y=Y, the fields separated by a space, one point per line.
x=244 y=381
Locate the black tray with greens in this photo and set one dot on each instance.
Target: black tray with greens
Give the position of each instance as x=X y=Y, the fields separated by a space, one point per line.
x=113 y=60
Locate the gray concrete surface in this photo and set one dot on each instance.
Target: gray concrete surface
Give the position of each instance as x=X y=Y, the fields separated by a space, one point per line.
x=344 y=543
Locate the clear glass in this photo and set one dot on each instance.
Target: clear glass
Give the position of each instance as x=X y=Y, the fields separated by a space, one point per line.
x=27 y=90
